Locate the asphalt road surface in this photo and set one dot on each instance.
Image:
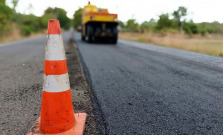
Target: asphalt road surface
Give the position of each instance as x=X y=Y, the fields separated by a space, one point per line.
x=145 y=89
x=21 y=74
x=137 y=88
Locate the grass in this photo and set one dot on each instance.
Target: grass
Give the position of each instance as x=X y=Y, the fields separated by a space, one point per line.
x=15 y=34
x=209 y=44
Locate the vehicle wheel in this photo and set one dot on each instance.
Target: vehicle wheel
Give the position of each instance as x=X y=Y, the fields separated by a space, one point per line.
x=115 y=35
x=82 y=37
x=89 y=33
x=114 y=40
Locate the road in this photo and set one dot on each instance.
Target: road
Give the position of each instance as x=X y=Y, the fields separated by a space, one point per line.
x=21 y=68
x=137 y=88
x=146 y=89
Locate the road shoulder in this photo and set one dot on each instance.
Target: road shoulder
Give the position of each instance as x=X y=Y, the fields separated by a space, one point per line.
x=81 y=93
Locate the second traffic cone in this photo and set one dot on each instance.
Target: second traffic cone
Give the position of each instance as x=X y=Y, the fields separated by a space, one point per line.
x=57 y=114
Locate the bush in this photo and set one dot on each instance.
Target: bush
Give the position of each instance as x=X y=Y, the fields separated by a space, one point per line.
x=214 y=27
x=5 y=15
x=203 y=32
x=77 y=21
x=26 y=30
x=57 y=13
x=148 y=26
x=132 y=25
x=164 y=22
x=190 y=28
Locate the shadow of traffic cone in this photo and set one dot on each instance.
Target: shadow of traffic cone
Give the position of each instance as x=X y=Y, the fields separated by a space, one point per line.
x=57 y=114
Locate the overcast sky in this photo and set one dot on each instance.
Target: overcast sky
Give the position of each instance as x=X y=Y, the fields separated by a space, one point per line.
x=141 y=10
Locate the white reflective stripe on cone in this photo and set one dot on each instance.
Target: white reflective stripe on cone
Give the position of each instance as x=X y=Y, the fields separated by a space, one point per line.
x=56 y=83
x=54 y=47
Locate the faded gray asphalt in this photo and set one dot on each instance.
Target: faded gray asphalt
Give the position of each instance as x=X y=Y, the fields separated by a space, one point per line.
x=21 y=75
x=146 y=89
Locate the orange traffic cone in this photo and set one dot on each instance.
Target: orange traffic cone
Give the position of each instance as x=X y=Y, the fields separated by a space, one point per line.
x=57 y=114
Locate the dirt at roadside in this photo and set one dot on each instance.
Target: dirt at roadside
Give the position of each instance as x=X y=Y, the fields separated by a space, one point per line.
x=81 y=93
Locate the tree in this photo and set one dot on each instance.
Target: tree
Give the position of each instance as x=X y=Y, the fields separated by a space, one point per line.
x=144 y=26
x=213 y=27
x=5 y=15
x=77 y=18
x=5 y=11
x=15 y=3
x=132 y=25
x=48 y=14
x=179 y=17
x=15 y=17
x=62 y=17
x=148 y=25
x=191 y=28
x=164 y=22
x=121 y=24
x=56 y=13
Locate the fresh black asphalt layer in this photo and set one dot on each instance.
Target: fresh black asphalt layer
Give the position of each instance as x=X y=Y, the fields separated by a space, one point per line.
x=146 y=89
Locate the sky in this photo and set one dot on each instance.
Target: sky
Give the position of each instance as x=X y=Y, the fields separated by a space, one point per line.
x=141 y=10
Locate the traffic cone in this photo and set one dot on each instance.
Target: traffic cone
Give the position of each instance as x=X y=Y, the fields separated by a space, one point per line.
x=57 y=114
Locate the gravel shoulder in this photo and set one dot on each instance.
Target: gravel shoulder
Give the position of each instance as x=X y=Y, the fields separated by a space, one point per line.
x=81 y=93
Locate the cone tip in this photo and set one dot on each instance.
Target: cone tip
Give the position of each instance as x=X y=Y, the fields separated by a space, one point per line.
x=54 y=27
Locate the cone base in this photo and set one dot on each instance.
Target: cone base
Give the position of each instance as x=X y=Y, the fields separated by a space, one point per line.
x=78 y=128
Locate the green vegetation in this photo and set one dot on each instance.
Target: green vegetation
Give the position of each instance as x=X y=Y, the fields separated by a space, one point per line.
x=179 y=17
x=25 y=25
x=132 y=25
x=12 y=23
x=174 y=30
x=172 y=23
x=5 y=16
x=77 y=18
x=147 y=26
x=164 y=22
x=168 y=22
x=191 y=28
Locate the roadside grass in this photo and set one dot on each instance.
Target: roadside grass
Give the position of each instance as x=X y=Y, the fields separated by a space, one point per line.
x=15 y=34
x=209 y=44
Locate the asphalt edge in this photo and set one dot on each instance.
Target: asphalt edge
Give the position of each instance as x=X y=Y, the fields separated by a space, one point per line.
x=101 y=123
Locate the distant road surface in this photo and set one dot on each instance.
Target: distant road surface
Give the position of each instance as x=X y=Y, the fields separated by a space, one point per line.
x=147 y=89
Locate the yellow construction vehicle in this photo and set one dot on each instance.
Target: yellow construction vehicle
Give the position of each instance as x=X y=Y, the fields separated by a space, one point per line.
x=98 y=24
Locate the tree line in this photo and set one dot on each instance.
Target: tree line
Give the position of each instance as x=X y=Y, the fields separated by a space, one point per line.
x=178 y=23
x=30 y=23
x=27 y=24
x=172 y=22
